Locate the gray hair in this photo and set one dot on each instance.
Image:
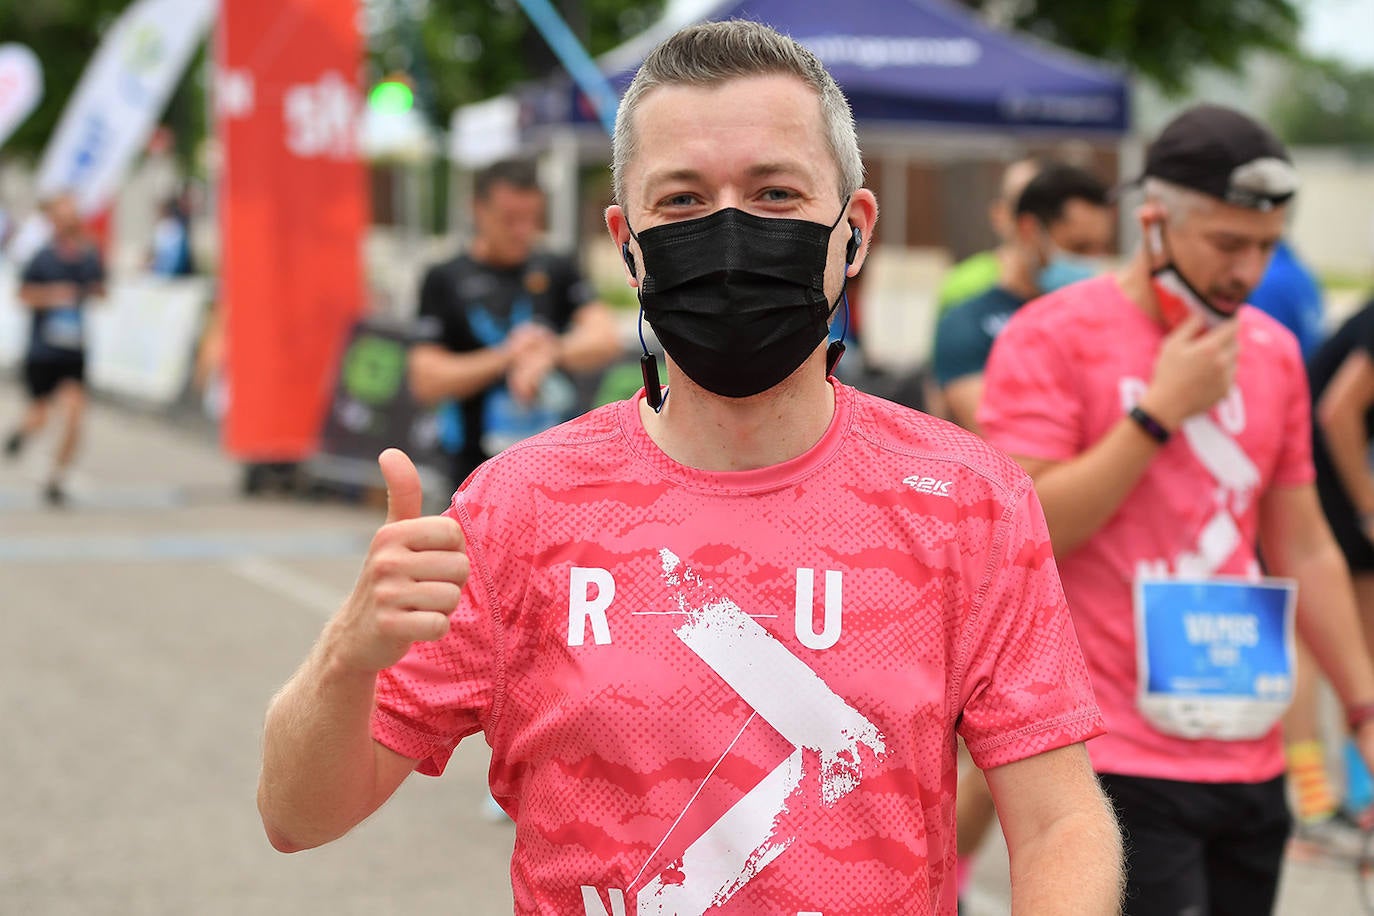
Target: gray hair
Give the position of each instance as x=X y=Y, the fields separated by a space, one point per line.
x=1178 y=202
x=714 y=52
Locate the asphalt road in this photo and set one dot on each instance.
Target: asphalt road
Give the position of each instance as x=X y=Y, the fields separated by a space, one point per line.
x=146 y=625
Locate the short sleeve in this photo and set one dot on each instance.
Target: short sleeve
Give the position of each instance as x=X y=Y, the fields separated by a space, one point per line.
x=95 y=268
x=1364 y=339
x=1024 y=688
x=442 y=691
x=440 y=318
x=37 y=270
x=1031 y=404
x=1294 y=466
x=961 y=348
x=570 y=291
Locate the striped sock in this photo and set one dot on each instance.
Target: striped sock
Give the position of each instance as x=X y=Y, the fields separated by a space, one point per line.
x=1312 y=792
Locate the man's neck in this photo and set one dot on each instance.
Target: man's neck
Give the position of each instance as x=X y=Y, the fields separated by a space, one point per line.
x=1134 y=280
x=68 y=244
x=711 y=433
x=1014 y=275
x=480 y=251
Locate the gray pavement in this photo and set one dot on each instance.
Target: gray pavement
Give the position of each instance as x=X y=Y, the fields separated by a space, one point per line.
x=145 y=628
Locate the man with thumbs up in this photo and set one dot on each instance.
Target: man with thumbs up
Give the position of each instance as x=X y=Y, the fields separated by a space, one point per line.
x=720 y=638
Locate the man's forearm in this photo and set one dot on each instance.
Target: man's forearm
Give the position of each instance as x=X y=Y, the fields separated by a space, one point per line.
x=1329 y=624
x=436 y=374
x=1074 y=868
x=319 y=760
x=591 y=342
x=1347 y=442
x=39 y=296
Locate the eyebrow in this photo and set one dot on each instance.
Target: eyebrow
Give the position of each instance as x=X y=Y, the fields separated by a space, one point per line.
x=759 y=170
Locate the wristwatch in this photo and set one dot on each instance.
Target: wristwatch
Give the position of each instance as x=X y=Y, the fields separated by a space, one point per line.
x=1152 y=427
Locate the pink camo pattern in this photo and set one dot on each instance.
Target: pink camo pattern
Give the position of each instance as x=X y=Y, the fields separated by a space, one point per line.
x=614 y=758
x=1054 y=386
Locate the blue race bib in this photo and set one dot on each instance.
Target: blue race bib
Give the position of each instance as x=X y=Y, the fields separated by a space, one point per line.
x=1214 y=657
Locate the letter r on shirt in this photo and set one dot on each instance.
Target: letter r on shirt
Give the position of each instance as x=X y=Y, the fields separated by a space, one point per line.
x=584 y=606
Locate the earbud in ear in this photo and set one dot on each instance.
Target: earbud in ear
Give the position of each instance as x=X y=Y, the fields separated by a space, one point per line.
x=629 y=260
x=856 y=239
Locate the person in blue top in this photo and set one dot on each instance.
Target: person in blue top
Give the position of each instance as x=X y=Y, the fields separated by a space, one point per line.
x=1290 y=293
x=1063 y=219
x=56 y=286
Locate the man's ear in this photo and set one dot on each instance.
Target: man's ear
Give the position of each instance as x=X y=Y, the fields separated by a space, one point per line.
x=862 y=215
x=1152 y=217
x=619 y=228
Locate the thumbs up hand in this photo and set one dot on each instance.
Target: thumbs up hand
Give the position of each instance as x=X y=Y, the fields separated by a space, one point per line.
x=410 y=581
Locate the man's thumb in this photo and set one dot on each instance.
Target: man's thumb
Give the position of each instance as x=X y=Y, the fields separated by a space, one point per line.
x=403 y=495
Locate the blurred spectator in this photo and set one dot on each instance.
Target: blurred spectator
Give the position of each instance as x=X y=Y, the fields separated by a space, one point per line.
x=980 y=271
x=1166 y=427
x=500 y=322
x=57 y=285
x=1342 y=380
x=171 y=249
x=1290 y=293
x=1060 y=221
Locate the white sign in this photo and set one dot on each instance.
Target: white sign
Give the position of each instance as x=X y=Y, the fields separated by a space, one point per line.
x=485 y=132
x=21 y=86
x=142 y=336
x=120 y=96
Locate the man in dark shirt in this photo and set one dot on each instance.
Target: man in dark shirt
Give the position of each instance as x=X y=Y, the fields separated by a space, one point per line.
x=498 y=321
x=56 y=286
x=1062 y=218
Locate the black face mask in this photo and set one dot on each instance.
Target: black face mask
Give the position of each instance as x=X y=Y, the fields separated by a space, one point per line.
x=737 y=300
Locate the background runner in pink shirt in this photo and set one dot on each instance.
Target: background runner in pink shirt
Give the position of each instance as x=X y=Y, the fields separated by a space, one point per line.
x=1167 y=428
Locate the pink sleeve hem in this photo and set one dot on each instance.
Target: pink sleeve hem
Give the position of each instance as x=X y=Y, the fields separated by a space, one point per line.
x=431 y=754
x=1071 y=728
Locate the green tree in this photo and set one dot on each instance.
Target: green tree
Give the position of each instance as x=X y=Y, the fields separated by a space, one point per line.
x=462 y=52
x=64 y=34
x=1163 y=40
x=1326 y=102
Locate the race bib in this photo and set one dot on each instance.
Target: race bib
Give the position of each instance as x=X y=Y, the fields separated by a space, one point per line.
x=1214 y=657
x=62 y=329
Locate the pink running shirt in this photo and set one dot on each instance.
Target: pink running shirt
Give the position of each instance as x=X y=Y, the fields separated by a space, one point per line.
x=739 y=691
x=1067 y=368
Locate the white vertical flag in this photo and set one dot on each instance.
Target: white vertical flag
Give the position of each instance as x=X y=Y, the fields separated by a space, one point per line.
x=121 y=94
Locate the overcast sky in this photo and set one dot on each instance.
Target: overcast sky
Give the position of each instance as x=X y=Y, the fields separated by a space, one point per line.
x=1336 y=28
x=1340 y=28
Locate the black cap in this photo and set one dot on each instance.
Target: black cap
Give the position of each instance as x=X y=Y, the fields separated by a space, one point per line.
x=1223 y=154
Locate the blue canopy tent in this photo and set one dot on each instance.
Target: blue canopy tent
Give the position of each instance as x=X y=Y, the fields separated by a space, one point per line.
x=903 y=61
x=942 y=101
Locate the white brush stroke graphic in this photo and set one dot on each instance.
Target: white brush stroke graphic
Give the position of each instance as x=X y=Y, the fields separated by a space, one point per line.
x=799 y=705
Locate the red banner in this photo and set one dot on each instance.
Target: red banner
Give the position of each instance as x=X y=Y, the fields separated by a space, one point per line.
x=293 y=211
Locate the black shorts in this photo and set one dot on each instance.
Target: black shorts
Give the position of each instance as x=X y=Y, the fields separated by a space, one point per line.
x=1196 y=847
x=1345 y=525
x=43 y=376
